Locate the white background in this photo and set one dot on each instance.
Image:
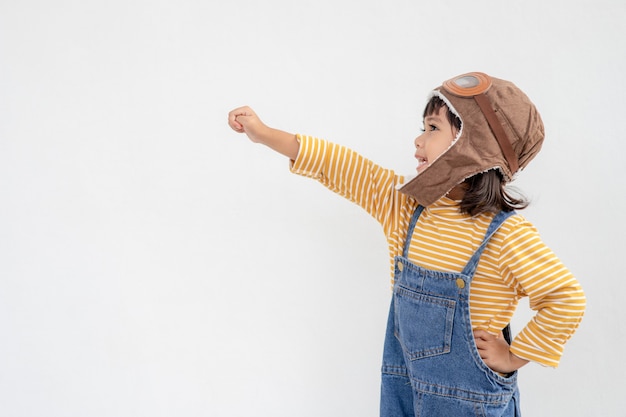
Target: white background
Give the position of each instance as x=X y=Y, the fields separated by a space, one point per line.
x=155 y=263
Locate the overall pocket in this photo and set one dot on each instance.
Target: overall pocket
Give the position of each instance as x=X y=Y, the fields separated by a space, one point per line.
x=423 y=323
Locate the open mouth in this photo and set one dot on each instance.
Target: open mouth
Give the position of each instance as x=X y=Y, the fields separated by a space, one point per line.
x=422 y=163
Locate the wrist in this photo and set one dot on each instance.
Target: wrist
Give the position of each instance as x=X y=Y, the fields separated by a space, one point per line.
x=260 y=134
x=516 y=362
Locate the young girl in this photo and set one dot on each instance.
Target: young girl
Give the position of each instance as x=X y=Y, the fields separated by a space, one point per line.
x=461 y=258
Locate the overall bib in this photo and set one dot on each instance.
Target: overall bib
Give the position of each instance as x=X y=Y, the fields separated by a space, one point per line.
x=431 y=366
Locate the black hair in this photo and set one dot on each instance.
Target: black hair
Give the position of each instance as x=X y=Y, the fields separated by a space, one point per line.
x=487 y=191
x=436 y=103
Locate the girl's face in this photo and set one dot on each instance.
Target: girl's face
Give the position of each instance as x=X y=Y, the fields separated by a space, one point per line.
x=438 y=134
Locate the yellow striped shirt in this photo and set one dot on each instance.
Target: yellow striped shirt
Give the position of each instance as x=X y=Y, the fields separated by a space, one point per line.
x=515 y=263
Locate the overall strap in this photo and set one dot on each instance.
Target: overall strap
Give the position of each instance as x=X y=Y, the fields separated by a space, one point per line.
x=471 y=266
x=495 y=224
x=409 y=233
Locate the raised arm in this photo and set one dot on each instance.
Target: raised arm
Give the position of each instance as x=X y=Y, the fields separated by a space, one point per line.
x=245 y=120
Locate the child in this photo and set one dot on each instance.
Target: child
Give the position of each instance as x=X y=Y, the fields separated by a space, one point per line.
x=461 y=258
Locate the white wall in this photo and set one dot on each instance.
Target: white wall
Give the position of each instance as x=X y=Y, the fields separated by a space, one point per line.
x=154 y=263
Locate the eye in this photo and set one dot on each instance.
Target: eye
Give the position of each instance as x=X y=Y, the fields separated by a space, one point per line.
x=432 y=127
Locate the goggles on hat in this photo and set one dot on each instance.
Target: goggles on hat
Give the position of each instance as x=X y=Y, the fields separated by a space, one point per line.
x=475 y=84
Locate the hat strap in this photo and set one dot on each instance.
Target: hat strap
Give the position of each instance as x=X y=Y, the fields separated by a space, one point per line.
x=503 y=140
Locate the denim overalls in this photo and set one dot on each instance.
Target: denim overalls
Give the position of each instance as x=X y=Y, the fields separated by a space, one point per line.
x=431 y=366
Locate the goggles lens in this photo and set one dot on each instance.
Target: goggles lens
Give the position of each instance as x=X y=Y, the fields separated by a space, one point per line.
x=468 y=85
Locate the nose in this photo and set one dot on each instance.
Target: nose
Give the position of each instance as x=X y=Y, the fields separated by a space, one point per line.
x=419 y=141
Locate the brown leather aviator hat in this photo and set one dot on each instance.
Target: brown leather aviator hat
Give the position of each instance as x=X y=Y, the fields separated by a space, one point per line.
x=500 y=129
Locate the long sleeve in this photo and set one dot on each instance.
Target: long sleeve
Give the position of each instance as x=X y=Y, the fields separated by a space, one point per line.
x=352 y=176
x=553 y=292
